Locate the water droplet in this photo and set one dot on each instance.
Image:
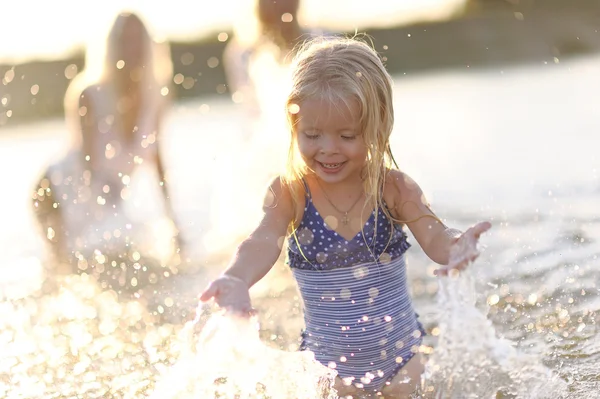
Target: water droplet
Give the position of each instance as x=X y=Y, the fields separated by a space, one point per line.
x=213 y=62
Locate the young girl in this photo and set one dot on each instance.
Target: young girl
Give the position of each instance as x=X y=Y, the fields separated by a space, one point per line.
x=342 y=205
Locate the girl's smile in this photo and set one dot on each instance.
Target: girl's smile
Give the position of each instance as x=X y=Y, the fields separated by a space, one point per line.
x=329 y=138
x=331 y=167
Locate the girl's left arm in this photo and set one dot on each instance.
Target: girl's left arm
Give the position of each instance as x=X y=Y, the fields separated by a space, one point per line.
x=442 y=244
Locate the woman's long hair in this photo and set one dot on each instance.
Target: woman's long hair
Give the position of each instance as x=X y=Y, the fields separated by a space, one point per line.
x=102 y=61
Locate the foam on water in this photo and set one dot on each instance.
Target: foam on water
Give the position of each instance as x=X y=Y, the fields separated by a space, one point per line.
x=228 y=360
x=470 y=361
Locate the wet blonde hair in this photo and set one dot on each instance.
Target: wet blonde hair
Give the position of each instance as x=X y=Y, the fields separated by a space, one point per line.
x=344 y=69
x=100 y=61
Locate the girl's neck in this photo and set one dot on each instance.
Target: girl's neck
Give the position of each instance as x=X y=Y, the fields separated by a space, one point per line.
x=344 y=187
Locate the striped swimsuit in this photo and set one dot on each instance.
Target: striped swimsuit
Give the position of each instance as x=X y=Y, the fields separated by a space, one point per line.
x=358 y=314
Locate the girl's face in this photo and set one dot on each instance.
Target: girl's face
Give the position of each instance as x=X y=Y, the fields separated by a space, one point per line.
x=330 y=139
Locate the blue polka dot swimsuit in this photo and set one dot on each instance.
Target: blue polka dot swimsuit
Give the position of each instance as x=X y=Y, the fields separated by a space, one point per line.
x=358 y=314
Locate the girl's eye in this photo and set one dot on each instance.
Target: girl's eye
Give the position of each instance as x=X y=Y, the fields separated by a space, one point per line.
x=311 y=135
x=349 y=137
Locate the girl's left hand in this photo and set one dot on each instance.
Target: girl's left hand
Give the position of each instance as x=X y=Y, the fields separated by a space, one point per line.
x=464 y=250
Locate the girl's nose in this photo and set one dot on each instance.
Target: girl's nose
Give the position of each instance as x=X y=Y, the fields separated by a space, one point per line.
x=329 y=145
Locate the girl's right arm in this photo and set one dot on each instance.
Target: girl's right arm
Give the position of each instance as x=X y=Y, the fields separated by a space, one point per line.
x=257 y=254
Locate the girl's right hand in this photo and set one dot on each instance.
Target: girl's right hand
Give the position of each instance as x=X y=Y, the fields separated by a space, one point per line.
x=230 y=293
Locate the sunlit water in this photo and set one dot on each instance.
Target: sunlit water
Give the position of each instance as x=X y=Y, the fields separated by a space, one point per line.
x=471 y=361
x=227 y=359
x=515 y=146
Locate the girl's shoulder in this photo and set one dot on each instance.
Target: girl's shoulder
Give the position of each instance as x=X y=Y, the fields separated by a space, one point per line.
x=293 y=193
x=399 y=188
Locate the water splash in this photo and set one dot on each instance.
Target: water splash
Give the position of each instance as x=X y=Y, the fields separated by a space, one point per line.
x=228 y=360
x=470 y=361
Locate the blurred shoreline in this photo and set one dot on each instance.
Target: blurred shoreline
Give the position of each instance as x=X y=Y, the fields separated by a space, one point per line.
x=490 y=33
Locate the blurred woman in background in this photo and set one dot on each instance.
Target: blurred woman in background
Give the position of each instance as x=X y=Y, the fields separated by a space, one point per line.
x=261 y=48
x=85 y=201
x=256 y=63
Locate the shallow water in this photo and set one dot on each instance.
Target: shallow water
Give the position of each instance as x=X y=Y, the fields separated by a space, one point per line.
x=517 y=147
x=227 y=359
x=471 y=361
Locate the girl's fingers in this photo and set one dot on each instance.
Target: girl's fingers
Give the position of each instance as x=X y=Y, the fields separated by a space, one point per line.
x=208 y=293
x=245 y=313
x=440 y=272
x=480 y=228
x=459 y=265
x=468 y=249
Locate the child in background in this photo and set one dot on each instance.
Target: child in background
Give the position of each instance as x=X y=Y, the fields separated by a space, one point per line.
x=342 y=205
x=259 y=52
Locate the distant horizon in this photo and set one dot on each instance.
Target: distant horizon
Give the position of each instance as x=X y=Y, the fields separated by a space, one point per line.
x=57 y=33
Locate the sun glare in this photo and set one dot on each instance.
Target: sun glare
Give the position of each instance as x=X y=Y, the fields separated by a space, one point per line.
x=182 y=20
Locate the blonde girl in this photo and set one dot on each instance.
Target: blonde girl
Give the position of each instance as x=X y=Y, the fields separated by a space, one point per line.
x=342 y=205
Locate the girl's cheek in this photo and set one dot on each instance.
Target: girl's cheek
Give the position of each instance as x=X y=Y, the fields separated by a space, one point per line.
x=305 y=148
